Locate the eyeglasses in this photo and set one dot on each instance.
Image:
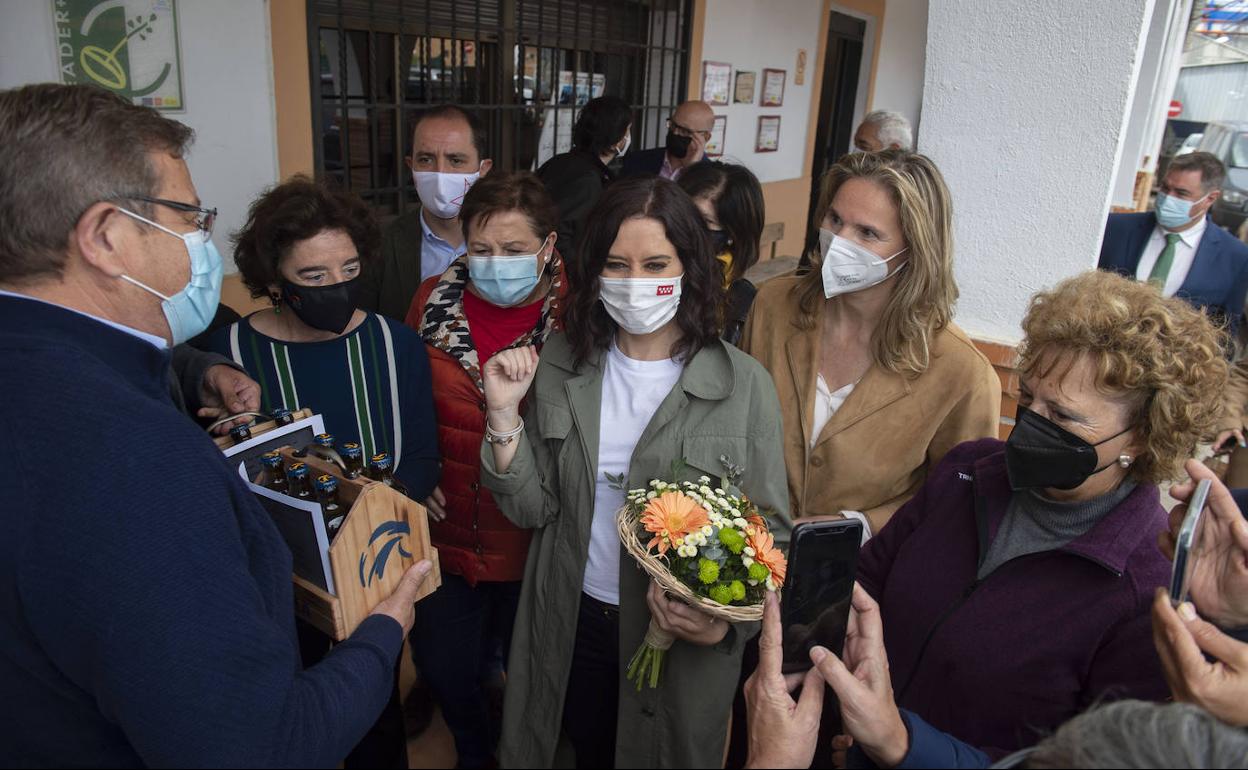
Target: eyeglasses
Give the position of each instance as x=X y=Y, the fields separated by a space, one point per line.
x=204 y=220
x=680 y=130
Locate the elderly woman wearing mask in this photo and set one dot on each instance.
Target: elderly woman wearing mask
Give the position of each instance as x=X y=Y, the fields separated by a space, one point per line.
x=1014 y=590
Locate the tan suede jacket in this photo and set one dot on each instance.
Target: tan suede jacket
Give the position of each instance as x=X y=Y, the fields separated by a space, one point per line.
x=875 y=452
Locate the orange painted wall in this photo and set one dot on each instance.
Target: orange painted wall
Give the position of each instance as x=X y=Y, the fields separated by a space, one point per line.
x=288 y=34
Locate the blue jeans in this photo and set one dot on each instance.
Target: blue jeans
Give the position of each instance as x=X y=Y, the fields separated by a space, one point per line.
x=459 y=643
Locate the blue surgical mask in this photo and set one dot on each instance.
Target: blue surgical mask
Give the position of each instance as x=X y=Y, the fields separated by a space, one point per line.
x=505 y=281
x=1174 y=212
x=190 y=311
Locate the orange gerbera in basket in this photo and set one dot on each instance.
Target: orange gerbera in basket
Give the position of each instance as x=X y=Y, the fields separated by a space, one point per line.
x=672 y=516
x=766 y=553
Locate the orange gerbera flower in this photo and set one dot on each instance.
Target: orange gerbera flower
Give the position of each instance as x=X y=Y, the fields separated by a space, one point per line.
x=672 y=515
x=767 y=554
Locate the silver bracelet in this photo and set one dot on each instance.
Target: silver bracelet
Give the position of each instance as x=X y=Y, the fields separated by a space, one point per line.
x=502 y=439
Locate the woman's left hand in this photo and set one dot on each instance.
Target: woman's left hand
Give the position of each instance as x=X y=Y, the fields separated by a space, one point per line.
x=682 y=621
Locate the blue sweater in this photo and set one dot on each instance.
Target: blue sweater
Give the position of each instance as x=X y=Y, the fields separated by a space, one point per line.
x=145 y=597
x=371 y=386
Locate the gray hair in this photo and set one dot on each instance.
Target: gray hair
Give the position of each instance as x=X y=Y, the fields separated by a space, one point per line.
x=64 y=149
x=892 y=128
x=1133 y=733
x=1212 y=169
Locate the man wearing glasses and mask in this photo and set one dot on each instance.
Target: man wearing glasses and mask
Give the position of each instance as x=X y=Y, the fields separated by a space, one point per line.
x=145 y=596
x=688 y=131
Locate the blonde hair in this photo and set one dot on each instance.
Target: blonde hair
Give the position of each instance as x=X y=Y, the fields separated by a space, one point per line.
x=924 y=290
x=1163 y=357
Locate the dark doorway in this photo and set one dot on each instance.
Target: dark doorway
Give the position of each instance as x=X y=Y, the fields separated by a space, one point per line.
x=842 y=65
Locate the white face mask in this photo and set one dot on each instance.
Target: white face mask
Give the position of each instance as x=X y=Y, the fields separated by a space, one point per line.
x=443 y=194
x=641 y=305
x=848 y=267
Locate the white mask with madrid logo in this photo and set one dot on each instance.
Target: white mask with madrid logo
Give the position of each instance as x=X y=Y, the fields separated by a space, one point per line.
x=641 y=305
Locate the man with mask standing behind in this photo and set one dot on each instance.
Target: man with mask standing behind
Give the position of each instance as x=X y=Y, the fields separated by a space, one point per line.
x=448 y=156
x=688 y=131
x=1177 y=247
x=145 y=596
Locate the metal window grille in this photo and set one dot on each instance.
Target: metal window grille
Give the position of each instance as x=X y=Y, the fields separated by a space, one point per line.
x=523 y=66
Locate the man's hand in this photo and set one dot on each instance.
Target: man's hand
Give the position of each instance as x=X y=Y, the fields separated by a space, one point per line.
x=682 y=621
x=782 y=732
x=1219 y=579
x=225 y=391
x=401 y=605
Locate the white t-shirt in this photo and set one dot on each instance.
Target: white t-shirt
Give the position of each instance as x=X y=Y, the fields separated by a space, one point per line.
x=1184 y=256
x=827 y=403
x=631 y=394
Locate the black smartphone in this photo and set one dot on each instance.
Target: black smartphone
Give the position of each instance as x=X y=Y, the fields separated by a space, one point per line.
x=818 y=589
x=1189 y=544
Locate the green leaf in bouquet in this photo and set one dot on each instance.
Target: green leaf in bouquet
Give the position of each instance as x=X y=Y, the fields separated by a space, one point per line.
x=616 y=481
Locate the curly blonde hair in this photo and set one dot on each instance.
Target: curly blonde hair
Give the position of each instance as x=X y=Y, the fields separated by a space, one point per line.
x=1161 y=356
x=924 y=292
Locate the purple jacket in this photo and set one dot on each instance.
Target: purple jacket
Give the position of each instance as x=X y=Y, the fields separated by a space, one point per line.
x=1000 y=663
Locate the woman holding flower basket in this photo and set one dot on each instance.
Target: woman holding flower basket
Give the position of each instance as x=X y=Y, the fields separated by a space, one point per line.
x=638 y=395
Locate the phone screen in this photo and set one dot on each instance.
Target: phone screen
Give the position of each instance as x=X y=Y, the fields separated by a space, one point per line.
x=823 y=561
x=1188 y=544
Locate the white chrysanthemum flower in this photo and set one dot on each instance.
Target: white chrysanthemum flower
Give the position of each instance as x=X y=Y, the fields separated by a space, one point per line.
x=708 y=530
x=704 y=489
x=740 y=523
x=719 y=491
x=750 y=551
x=747 y=561
x=704 y=479
x=771 y=585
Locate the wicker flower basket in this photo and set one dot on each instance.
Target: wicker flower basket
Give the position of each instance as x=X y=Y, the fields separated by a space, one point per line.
x=656 y=567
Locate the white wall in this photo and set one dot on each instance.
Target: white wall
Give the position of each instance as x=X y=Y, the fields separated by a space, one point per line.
x=903 y=49
x=754 y=35
x=1023 y=110
x=227 y=77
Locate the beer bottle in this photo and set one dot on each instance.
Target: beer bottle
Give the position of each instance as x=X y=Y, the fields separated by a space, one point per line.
x=327 y=494
x=325 y=440
x=381 y=468
x=274 y=472
x=353 y=456
x=240 y=433
x=283 y=416
x=299 y=479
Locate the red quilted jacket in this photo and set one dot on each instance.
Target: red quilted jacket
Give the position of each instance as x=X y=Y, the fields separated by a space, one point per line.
x=475 y=541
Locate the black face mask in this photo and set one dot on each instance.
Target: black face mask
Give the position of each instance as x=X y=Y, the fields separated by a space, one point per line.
x=328 y=308
x=720 y=240
x=1041 y=454
x=677 y=145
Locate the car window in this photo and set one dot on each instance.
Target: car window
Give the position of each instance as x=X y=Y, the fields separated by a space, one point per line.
x=1239 y=151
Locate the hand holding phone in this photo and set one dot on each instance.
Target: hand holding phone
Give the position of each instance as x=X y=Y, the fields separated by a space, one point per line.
x=1188 y=544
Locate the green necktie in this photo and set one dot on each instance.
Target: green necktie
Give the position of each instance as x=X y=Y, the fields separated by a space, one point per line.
x=1161 y=270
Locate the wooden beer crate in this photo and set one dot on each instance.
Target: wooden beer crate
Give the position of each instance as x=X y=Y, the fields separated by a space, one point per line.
x=384 y=534
x=259 y=429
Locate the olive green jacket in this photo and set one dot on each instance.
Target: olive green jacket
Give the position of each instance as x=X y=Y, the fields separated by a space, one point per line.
x=724 y=405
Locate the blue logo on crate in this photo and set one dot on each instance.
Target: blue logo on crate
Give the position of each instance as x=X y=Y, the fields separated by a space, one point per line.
x=396 y=531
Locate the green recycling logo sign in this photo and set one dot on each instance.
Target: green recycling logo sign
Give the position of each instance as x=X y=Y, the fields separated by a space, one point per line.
x=129 y=47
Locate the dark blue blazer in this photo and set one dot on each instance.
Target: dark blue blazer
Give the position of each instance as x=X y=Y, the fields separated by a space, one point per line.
x=1218 y=279
x=646 y=162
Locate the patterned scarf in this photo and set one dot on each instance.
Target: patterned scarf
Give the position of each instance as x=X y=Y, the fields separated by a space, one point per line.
x=445 y=327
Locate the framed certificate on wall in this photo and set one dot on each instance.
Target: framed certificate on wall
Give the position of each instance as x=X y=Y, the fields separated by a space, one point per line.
x=744 y=93
x=715 y=147
x=716 y=82
x=773 y=88
x=768 y=139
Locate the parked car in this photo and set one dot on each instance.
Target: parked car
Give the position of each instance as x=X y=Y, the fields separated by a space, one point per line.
x=1189 y=144
x=1229 y=141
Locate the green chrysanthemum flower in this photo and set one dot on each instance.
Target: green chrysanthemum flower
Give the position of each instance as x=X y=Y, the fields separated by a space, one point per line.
x=732 y=539
x=722 y=594
x=759 y=573
x=708 y=571
x=738 y=590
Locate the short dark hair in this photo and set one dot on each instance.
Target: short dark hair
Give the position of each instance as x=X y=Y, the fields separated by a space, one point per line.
x=699 y=316
x=602 y=123
x=510 y=191
x=480 y=140
x=294 y=211
x=738 y=200
x=1212 y=169
x=64 y=149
